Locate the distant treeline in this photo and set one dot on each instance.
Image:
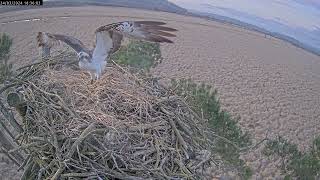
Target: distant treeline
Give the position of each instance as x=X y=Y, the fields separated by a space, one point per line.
x=166 y=6
x=157 y=5
x=244 y=25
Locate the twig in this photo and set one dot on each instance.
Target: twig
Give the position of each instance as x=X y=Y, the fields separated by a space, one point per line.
x=10 y=118
x=173 y=125
x=81 y=138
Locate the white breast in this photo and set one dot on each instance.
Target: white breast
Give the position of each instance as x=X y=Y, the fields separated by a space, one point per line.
x=87 y=66
x=98 y=63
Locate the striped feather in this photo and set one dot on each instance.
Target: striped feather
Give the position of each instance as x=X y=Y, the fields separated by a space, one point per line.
x=153 y=31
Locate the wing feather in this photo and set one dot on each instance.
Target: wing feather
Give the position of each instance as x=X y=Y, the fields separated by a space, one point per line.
x=116 y=41
x=161 y=33
x=153 y=31
x=46 y=41
x=161 y=28
x=153 y=23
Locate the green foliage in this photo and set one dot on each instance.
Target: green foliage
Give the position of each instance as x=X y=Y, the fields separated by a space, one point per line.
x=296 y=164
x=5 y=67
x=203 y=100
x=281 y=147
x=139 y=55
x=246 y=172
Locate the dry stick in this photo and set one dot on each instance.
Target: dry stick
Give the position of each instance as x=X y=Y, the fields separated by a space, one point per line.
x=256 y=145
x=121 y=159
x=27 y=171
x=32 y=70
x=184 y=126
x=178 y=120
x=9 y=86
x=125 y=71
x=183 y=167
x=22 y=147
x=30 y=65
x=7 y=144
x=52 y=60
x=174 y=127
x=149 y=113
x=116 y=164
x=25 y=162
x=10 y=118
x=161 y=168
x=111 y=172
x=2 y=125
x=3 y=150
x=192 y=112
x=205 y=159
x=78 y=175
x=80 y=139
x=158 y=153
x=73 y=148
x=58 y=172
x=224 y=139
x=147 y=126
x=34 y=66
x=55 y=140
x=62 y=103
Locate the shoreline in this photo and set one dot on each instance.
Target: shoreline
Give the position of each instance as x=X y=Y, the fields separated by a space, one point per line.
x=272 y=85
x=225 y=20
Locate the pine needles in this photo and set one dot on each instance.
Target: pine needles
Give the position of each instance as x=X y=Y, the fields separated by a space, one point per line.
x=296 y=164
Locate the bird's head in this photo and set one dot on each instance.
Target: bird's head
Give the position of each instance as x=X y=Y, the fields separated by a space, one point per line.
x=84 y=57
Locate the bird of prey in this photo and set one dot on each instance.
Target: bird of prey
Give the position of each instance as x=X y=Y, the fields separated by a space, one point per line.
x=107 y=41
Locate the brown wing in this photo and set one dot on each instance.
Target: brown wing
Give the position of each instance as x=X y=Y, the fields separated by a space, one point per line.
x=46 y=41
x=143 y=30
x=116 y=41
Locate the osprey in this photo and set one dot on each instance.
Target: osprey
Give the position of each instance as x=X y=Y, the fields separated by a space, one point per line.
x=107 y=41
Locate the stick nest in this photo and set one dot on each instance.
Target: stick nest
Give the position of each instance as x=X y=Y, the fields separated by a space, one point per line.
x=123 y=126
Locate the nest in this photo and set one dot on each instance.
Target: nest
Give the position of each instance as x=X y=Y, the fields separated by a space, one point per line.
x=123 y=126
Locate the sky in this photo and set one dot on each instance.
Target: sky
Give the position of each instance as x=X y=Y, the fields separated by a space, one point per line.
x=294 y=13
x=298 y=19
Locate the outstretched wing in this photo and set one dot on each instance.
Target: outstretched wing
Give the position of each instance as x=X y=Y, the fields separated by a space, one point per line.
x=46 y=41
x=109 y=37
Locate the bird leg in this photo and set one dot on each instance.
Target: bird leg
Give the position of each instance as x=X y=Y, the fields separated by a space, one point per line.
x=92 y=77
x=97 y=76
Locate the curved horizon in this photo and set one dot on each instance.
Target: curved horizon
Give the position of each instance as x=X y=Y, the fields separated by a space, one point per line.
x=297 y=19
